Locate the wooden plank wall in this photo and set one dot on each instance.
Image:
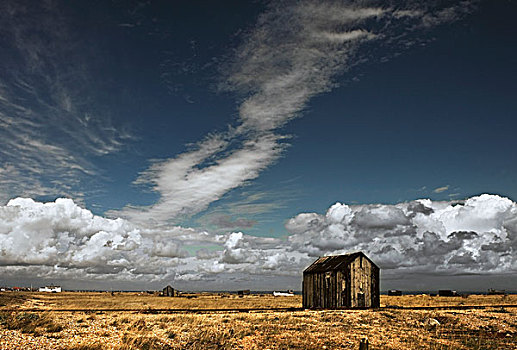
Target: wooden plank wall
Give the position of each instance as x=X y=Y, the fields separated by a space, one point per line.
x=364 y=279
x=360 y=282
x=336 y=289
x=376 y=293
x=339 y=289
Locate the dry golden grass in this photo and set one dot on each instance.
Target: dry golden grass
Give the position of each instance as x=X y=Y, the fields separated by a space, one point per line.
x=29 y=322
x=75 y=300
x=426 y=300
x=12 y=299
x=491 y=328
x=138 y=301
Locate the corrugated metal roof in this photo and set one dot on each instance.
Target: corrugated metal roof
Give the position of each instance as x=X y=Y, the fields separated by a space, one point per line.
x=333 y=263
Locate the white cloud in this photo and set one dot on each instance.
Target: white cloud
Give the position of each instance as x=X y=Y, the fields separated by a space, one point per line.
x=60 y=234
x=187 y=189
x=441 y=189
x=63 y=241
x=475 y=236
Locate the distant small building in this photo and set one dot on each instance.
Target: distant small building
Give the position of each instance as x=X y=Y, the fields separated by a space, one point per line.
x=395 y=292
x=243 y=292
x=341 y=281
x=50 y=289
x=287 y=293
x=492 y=291
x=447 y=293
x=168 y=291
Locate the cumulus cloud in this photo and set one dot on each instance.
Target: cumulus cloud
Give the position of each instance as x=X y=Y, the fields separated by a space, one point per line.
x=61 y=240
x=64 y=241
x=477 y=235
x=294 y=52
x=60 y=235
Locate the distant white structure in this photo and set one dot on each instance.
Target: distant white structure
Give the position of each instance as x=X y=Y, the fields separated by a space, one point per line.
x=50 y=289
x=288 y=293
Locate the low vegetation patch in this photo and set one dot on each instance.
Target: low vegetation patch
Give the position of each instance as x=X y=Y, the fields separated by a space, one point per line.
x=28 y=322
x=94 y=346
x=10 y=299
x=142 y=341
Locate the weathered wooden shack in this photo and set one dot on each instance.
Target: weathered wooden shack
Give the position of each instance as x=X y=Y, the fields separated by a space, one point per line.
x=341 y=281
x=168 y=291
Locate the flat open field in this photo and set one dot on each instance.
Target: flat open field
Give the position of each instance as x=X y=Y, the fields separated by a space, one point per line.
x=40 y=322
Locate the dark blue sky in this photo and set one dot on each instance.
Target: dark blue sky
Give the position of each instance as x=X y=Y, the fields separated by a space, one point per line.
x=442 y=114
x=439 y=114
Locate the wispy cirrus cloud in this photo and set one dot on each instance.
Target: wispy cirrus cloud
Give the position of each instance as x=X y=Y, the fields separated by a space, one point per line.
x=295 y=51
x=441 y=189
x=186 y=188
x=49 y=127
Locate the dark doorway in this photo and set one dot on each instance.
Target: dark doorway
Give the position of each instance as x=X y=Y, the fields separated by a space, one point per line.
x=360 y=300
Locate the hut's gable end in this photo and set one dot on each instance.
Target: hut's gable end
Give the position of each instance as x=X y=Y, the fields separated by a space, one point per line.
x=350 y=280
x=360 y=282
x=168 y=291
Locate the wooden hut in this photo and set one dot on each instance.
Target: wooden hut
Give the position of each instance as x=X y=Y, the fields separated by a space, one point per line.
x=341 y=281
x=168 y=291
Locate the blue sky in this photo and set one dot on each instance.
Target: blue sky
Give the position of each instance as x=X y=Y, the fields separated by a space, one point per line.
x=363 y=142
x=229 y=117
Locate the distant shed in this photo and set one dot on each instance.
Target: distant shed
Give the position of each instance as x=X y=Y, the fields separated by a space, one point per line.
x=168 y=291
x=341 y=281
